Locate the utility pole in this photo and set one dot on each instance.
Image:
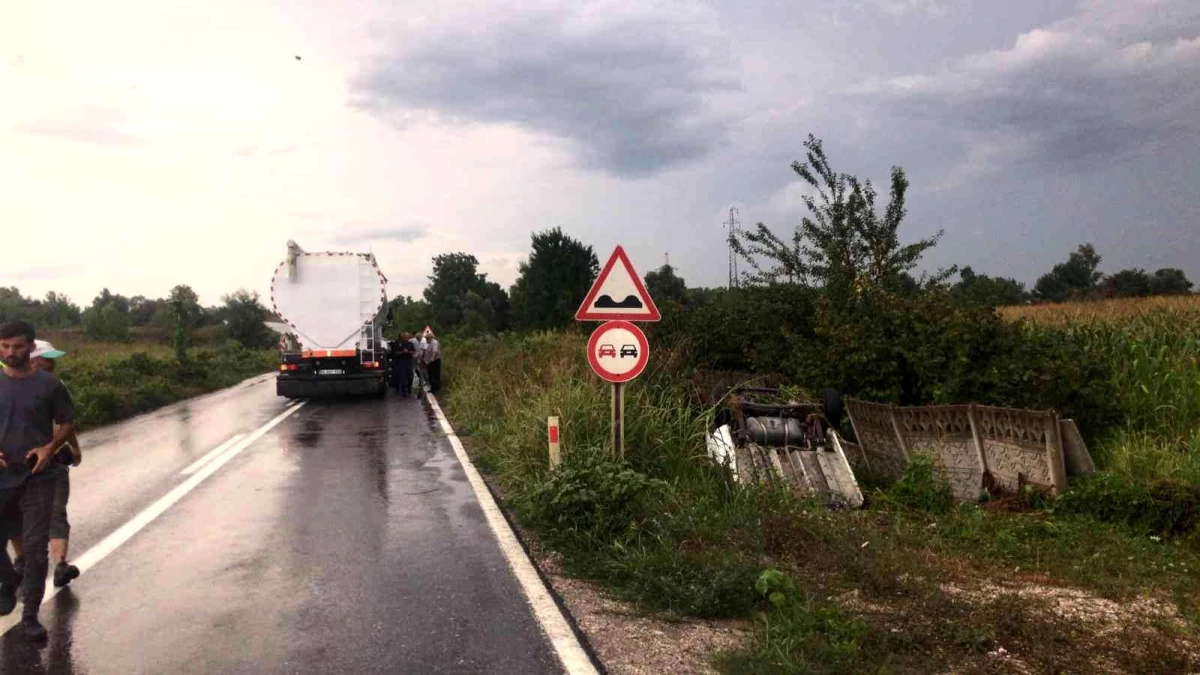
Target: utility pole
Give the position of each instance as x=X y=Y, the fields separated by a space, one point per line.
x=732 y=224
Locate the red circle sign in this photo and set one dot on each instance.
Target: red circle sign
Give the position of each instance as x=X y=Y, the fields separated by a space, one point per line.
x=618 y=351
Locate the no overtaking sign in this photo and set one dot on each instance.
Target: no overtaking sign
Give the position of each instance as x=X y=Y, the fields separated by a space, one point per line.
x=618 y=351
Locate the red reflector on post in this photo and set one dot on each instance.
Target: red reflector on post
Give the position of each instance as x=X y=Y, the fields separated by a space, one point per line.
x=553 y=434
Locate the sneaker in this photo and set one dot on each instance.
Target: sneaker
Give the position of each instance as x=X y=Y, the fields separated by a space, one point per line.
x=8 y=599
x=33 y=630
x=64 y=573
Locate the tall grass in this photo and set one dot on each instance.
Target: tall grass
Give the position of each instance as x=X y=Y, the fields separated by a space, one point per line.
x=1152 y=348
x=670 y=531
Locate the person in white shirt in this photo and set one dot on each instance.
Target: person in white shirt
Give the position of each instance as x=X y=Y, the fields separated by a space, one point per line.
x=433 y=363
x=418 y=344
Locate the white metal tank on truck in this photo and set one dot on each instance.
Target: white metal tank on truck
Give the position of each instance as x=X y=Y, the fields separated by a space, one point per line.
x=334 y=305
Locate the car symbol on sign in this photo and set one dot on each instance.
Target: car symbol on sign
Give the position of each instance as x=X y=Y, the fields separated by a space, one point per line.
x=608 y=350
x=628 y=350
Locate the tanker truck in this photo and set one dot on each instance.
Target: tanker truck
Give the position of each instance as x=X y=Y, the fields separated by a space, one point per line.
x=335 y=307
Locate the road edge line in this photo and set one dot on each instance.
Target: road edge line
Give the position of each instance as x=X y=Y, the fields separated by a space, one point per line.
x=568 y=648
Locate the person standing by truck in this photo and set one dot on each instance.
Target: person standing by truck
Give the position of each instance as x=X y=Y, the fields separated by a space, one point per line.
x=433 y=362
x=419 y=360
x=402 y=365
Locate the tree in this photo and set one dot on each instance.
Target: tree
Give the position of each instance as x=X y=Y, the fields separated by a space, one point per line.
x=664 y=286
x=185 y=312
x=408 y=315
x=108 y=318
x=245 y=319
x=985 y=291
x=843 y=244
x=455 y=275
x=1131 y=283
x=1071 y=279
x=1170 y=281
x=142 y=310
x=60 y=311
x=501 y=308
x=552 y=283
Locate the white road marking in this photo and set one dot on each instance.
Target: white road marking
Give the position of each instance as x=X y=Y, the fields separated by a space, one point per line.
x=211 y=453
x=124 y=533
x=571 y=654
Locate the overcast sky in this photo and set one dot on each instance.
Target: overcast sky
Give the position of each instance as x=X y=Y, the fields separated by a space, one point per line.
x=147 y=143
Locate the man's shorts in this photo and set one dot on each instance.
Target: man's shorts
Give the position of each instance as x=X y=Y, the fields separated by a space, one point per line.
x=59 y=527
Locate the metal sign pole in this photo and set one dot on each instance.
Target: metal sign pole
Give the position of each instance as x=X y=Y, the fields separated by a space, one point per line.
x=618 y=419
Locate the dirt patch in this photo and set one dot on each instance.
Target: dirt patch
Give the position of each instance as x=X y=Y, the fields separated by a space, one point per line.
x=1075 y=629
x=628 y=642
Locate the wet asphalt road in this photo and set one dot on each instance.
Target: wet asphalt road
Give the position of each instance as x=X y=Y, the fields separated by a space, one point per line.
x=344 y=540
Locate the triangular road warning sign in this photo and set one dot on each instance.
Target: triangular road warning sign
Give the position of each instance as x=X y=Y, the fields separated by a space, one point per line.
x=618 y=294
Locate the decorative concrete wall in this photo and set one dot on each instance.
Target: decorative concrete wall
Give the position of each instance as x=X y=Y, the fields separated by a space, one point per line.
x=974 y=445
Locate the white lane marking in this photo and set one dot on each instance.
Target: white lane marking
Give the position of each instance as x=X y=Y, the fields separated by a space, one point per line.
x=567 y=648
x=124 y=533
x=210 y=454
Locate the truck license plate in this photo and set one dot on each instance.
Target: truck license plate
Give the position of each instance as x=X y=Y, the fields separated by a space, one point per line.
x=331 y=372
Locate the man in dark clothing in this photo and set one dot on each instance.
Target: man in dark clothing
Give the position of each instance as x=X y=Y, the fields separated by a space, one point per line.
x=31 y=402
x=402 y=365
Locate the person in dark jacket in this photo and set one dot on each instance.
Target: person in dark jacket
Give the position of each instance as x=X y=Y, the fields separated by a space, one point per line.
x=402 y=365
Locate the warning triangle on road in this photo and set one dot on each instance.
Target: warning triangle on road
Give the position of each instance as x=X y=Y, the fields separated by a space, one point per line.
x=618 y=294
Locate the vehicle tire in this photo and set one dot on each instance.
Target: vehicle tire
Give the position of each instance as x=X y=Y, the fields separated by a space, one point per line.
x=832 y=406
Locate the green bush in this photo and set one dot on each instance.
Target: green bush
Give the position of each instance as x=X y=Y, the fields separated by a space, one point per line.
x=798 y=634
x=922 y=487
x=115 y=388
x=1161 y=507
x=593 y=496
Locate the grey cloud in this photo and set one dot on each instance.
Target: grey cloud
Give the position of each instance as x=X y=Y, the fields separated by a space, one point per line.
x=1070 y=95
x=630 y=89
x=403 y=234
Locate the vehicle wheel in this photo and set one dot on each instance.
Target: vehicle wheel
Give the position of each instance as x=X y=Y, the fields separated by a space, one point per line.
x=832 y=406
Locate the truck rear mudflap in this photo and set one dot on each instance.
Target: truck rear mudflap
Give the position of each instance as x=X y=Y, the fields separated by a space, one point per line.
x=292 y=386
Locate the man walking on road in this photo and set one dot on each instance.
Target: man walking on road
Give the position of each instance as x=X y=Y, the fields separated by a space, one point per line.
x=45 y=357
x=31 y=402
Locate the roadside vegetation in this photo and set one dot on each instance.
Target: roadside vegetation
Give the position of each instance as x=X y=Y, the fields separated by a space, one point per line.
x=1103 y=578
x=127 y=356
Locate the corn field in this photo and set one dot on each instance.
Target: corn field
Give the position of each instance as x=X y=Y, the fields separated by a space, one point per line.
x=1153 y=348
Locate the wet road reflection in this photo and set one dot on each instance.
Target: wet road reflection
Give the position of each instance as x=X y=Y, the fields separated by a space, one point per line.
x=346 y=539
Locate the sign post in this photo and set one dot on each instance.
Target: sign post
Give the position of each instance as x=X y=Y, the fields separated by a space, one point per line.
x=618 y=350
x=618 y=419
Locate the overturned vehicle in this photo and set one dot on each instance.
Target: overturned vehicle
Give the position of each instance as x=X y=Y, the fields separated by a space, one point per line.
x=762 y=435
